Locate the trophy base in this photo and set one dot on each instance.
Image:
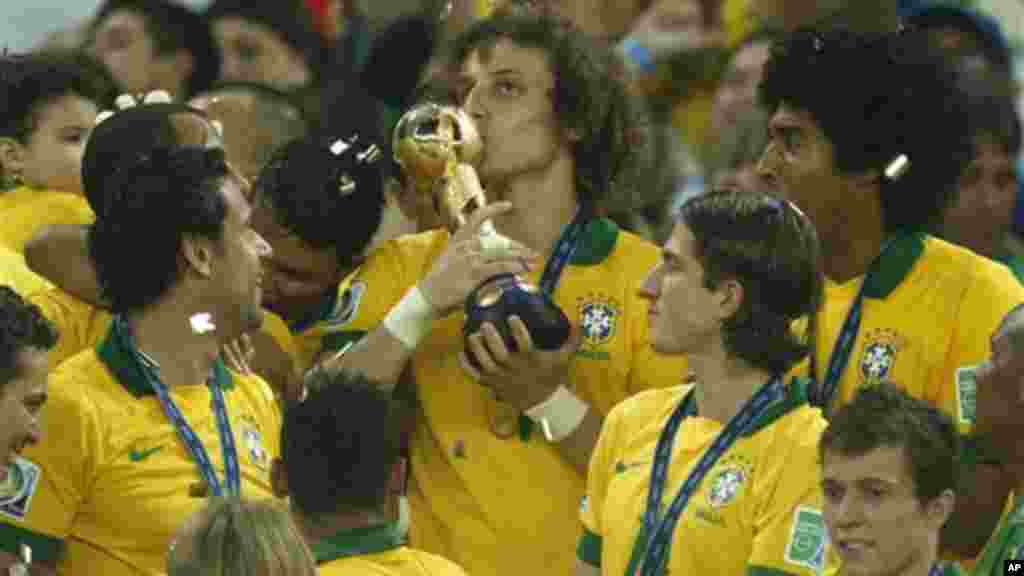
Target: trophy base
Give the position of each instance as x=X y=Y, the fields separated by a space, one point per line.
x=508 y=295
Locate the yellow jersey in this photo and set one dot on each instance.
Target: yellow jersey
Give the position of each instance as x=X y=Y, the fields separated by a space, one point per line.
x=16 y=275
x=377 y=551
x=487 y=502
x=29 y=212
x=757 y=511
x=109 y=485
x=17 y=196
x=926 y=322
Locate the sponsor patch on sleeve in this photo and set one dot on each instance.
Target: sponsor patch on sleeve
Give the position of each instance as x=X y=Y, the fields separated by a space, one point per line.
x=17 y=489
x=808 y=539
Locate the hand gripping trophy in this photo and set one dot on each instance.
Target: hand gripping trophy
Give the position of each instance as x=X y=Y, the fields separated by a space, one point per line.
x=429 y=143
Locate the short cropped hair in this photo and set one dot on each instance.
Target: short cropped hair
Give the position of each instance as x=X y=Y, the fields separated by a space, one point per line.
x=884 y=416
x=339 y=445
x=22 y=327
x=771 y=249
x=876 y=98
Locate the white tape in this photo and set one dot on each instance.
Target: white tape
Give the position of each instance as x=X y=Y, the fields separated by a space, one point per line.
x=494 y=245
x=560 y=415
x=411 y=319
x=157 y=97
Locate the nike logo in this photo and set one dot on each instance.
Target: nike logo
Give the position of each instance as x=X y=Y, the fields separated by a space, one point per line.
x=621 y=466
x=140 y=455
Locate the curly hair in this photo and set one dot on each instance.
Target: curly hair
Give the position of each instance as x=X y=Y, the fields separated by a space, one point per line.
x=876 y=98
x=23 y=326
x=771 y=249
x=329 y=200
x=152 y=203
x=590 y=96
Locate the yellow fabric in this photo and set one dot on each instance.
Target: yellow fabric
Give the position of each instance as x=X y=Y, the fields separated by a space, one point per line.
x=929 y=333
x=275 y=327
x=754 y=527
x=504 y=506
x=114 y=476
x=398 y=562
x=15 y=274
x=17 y=196
x=28 y=214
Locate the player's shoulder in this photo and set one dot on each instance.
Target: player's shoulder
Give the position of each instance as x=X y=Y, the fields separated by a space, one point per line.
x=650 y=405
x=409 y=251
x=55 y=299
x=82 y=382
x=435 y=565
x=623 y=248
x=976 y=272
x=255 y=390
x=415 y=244
x=793 y=422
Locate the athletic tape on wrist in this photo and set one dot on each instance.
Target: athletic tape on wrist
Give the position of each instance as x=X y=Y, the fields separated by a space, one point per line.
x=560 y=415
x=410 y=320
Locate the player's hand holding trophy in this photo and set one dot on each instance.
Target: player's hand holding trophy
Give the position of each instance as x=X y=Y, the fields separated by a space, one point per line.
x=432 y=144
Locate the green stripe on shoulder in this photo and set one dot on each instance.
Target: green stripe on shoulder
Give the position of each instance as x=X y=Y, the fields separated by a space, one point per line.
x=796 y=397
x=589 y=549
x=762 y=571
x=334 y=341
x=44 y=548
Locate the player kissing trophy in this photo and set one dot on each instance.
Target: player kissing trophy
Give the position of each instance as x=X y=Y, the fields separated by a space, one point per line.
x=429 y=142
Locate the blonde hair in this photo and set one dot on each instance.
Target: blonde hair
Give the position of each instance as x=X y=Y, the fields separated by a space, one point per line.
x=243 y=538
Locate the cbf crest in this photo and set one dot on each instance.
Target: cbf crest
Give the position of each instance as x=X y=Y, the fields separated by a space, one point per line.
x=728 y=480
x=878 y=360
x=599 y=318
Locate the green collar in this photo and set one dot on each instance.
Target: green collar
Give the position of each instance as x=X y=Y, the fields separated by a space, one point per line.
x=596 y=243
x=887 y=271
x=116 y=351
x=358 y=542
x=796 y=396
x=1016 y=265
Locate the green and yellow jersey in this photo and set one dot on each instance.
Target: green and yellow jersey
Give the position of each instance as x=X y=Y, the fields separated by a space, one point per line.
x=27 y=211
x=16 y=275
x=111 y=482
x=757 y=511
x=377 y=551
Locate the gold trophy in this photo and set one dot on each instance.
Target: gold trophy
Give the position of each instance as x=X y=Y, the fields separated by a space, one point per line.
x=429 y=142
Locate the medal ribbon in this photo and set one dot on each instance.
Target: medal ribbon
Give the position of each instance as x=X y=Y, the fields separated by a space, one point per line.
x=656 y=535
x=185 y=432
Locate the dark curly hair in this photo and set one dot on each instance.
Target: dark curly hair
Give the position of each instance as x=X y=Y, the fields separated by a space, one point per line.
x=884 y=416
x=771 y=249
x=876 y=98
x=152 y=202
x=590 y=96
x=23 y=326
x=329 y=200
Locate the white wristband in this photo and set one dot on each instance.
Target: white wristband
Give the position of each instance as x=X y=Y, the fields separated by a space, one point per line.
x=410 y=320
x=560 y=415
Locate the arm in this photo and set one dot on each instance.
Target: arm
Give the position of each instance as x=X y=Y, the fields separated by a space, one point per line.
x=578 y=447
x=60 y=254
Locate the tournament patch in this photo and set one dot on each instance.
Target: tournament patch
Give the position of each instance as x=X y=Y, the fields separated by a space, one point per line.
x=966 y=393
x=808 y=540
x=17 y=489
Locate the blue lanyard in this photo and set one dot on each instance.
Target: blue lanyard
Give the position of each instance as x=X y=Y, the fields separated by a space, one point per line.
x=185 y=432
x=822 y=395
x=562 y=254
x=660 y=533
x=937 y=569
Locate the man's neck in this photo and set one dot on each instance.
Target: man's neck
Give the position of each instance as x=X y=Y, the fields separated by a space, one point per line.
x=724 y=384
x=316 y=530
x=920 y=566
x=848 y=248
x=164 y=333
x=543 y=203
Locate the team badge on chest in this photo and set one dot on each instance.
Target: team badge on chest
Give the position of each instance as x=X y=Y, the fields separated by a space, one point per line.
x=878 y=360
x=726 y=482
x=598 y=320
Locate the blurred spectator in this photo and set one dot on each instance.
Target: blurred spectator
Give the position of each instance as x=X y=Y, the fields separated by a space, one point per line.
x=274 y=43
x=340 y=467
x=50 y=103
x=732 y=164
x=142 y=415
x=25 y=336
x=1000 y=386
x=14 y=272
x=864 y=16
x=232 y=537
x=737 y=91
x=981 y=216
x=860 y=150
x=890 y=472
x=154 y=45
x=958 y=30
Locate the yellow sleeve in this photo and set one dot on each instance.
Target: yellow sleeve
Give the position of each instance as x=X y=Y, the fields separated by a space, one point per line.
x=56 y=473
x=602 y=463
x=789 y=529
x=987 y=300
x=16 y=274
x=80 y=326
x=270 y=415
x=275 y=327
x=22 y=222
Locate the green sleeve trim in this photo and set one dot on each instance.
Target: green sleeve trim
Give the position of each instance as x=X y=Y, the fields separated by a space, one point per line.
x=762 y=571
x=589 y=549
x=44 y=548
